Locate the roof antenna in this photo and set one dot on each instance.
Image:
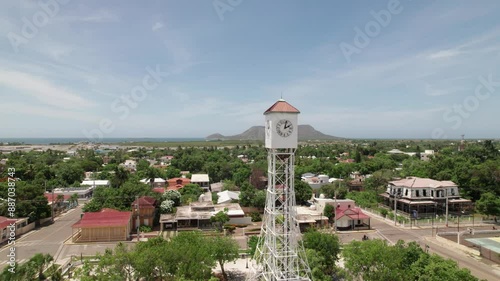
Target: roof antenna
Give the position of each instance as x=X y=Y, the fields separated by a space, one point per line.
x=281 y=99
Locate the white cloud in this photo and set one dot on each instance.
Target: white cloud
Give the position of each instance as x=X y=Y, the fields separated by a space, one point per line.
x=478 y=44
x=21 y=109
x=444 y=54
x=42 y=90
x=98 y=16
x=433 y=91
x=157 y=26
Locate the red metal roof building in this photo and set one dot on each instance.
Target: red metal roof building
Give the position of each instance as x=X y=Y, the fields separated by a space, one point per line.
x=106 y=225
x=352 y=218
x=53 y=197
x=177 y=183
x=282 y=106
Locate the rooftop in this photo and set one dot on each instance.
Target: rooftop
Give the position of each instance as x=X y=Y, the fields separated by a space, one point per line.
x=4 y=222
x=104 y=218
x=416 y=182
x=156 y=180
x=199 y=178
x=145 y=201
x=95 y=182
x=203 y=210
x=282 y=106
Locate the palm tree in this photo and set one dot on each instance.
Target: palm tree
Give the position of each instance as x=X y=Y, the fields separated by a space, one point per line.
x=25 y=271
x=59 y=200
x=121 y=176
x=40 y=261
x=73 y=200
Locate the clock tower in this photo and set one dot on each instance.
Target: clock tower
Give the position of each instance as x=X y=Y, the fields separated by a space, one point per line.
x=280 y=254
x=281 y=125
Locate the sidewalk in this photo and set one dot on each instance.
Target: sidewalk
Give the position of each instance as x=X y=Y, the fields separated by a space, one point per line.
x=437 y=224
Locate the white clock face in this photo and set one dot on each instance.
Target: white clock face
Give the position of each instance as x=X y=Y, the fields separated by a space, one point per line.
x=284 y=128
x=268 y=128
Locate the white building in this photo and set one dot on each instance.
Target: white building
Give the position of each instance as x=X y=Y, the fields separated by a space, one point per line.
x=424 y=197
x=315 y=181
x=95 y=183
x=202 y=180
x=157 y=182
x=130 y=165
x=227 y=196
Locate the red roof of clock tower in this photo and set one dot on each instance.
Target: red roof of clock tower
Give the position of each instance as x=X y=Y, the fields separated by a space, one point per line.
x=282 y=106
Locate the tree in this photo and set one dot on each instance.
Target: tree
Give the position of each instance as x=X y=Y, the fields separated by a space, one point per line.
x=325 y=244
x=59 y=200
x=155 y=259
x=329 y=212
x=171 y=173
x=303 y=192
x=220 y=219
x=229 y=185
x=247 y=194
x=73 y=199
x=256 y=178
x=167 y=207
x=224 y=249
x=113 y=265
x=30 y=201
x=365 y=199
x=252 y=243
x=435 y=268
x=335 y=188
x=190 y=192
x=173 y=195
x=489 y=204
x=40 y=261
x=357 y=156
x=193 y=255
x=259 y=200
x=120 y=177
x=373 y=260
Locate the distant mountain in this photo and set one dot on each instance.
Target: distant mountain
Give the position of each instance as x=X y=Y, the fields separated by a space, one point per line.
x=306 y=132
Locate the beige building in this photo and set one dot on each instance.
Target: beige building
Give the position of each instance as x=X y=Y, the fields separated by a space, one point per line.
x=423 y=197
x=106 y=225
x=197 y=216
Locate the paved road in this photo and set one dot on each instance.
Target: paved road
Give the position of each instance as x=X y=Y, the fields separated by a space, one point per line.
x=423 y=236
x=48 y=239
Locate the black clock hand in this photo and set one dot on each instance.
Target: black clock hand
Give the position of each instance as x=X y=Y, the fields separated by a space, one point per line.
x=287 y=125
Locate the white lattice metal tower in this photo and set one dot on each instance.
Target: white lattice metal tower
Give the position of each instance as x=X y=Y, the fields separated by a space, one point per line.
x=280 y=254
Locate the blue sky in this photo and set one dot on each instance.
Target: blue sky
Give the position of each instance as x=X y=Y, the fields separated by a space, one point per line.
x=422 y=73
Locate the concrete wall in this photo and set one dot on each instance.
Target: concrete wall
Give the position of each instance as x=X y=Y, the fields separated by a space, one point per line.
x=244 y=220
x=25 y=229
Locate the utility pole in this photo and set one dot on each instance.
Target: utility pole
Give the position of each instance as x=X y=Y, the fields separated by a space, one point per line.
x=137 y=205
x=52 y=205
x=395 y=206
x=335 y=209
x=446 y=220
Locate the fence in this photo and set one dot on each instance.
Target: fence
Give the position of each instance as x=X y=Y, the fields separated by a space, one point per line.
x=429 y=221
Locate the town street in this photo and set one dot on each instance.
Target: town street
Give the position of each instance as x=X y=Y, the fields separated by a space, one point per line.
x=47 y=240
x=388 y=231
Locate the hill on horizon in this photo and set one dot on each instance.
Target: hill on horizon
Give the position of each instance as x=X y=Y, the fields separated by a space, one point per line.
x=305 y=132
